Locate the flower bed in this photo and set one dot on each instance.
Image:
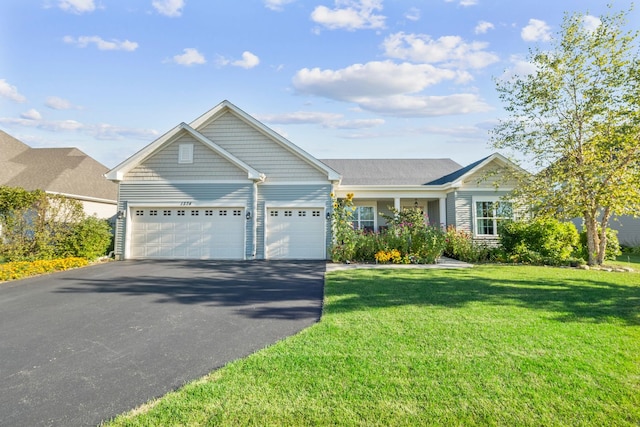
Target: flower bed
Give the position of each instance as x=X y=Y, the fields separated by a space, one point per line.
x=21 y=269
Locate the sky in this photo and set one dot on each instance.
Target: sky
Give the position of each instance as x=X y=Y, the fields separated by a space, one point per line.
x=338 y=78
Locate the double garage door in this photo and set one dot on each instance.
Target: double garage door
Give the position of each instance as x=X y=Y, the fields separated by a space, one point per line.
x=219 y=233
x=191 y=233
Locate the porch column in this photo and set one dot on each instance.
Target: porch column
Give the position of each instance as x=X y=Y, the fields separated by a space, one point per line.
x=443 y=212
x=396 y=203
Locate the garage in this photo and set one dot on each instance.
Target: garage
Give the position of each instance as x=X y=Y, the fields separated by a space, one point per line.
x=295 y=233
x=188 y=233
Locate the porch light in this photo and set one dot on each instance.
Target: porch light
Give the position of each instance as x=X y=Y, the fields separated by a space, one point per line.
x=248 y=215
x=120 y=215
x=328 y=215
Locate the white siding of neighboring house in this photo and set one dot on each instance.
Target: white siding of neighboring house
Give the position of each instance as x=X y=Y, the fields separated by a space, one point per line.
x=259 y=151
x=102 y=210
x=628 y=230
x=207 y=165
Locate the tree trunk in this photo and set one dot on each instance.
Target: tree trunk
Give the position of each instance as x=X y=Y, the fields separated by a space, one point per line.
x=592 y=238
x=603 y=235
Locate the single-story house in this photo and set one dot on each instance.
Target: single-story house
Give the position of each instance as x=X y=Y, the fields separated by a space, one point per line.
x=225 y=186
x=65 y=171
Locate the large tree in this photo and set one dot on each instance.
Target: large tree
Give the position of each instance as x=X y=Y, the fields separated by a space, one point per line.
x=575 y=123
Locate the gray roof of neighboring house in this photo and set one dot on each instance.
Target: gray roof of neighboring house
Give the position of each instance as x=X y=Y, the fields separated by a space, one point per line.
x=59 y=170
x=392 y=171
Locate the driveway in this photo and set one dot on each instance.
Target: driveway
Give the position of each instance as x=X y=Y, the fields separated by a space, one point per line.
x=82 y=346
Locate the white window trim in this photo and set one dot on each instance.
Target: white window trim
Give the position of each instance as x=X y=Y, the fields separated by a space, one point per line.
x=371 y=205
x=474 y=216
x=185 y=153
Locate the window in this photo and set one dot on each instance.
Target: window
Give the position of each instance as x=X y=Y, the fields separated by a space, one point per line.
x=185 y=153
x=166 y=213
x=302 y=213
x=180 y=212
x=222 y=212
x=363 y=218
x=489 y=214
x=237 y=212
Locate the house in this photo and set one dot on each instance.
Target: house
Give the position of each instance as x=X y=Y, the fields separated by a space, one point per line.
x=65 y=171
x=225 y=186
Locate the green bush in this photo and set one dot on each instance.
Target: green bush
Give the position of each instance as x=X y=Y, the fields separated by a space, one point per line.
x=612 y=251
x=459 y=244
x=540 y=241
x=90 y=239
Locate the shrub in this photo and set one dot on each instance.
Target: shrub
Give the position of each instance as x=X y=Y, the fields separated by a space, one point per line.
x=612 y=250
x=21 y=269
x=540 y=241
x=90 y=239
x=459 y=244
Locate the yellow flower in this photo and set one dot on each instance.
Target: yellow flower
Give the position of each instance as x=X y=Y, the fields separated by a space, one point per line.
x=349 y=196
x=332 y=195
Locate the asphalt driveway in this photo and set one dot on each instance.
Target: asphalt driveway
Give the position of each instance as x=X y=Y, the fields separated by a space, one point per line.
x=82 y=346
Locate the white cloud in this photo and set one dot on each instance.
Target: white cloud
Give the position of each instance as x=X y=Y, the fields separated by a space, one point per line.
x=11 y=92
x=32 y=114
x=389 y=88
x=101 y=44
x=421 y=106
x=591 y=23
x=170 y=8
x=249 y=60
x=57 y=103
x=77 y=6
x=373 y=79
x=190 y=57
x=350 y=15
x=464 y=3
x=413 y=14
x=520 y=68
x=326 y=120
x=277 y=5
x=483 y=27
x=447 y=50
x=101 y=131
x=537 y=30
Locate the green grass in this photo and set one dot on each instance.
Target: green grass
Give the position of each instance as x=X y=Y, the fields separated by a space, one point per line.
x=492 y=345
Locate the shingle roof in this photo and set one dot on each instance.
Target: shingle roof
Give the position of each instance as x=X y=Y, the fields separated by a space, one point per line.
x=60 y=170
x=392 y=171
x=457 y=174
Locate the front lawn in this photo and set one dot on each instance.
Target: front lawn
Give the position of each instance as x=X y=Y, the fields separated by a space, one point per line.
x=492 y=345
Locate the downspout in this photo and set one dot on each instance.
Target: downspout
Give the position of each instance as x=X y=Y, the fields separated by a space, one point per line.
x=254 y=220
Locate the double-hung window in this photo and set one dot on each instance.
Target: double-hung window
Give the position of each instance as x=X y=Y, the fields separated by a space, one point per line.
x=363 y=218
x=488 y=215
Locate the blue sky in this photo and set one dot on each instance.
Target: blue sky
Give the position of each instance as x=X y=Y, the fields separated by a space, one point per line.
x=339 y=78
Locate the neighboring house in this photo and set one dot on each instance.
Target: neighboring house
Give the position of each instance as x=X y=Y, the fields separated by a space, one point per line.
x=226 y=186
x=65 y=171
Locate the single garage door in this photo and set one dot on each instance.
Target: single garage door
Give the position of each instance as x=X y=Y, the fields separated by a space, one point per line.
x=295 y=233
x=193 y=233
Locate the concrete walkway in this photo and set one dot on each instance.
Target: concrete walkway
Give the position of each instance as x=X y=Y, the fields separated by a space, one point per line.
x=443 y=262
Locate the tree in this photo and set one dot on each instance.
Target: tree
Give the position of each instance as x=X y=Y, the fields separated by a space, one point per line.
x=575 y=120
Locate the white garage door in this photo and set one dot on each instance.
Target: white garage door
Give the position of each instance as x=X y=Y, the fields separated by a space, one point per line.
x=193 y=233
x=295 y=233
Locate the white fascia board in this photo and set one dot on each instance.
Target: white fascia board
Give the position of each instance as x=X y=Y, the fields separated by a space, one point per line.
x=118 y=173
x=262 y=128
x=84 y=198
x=391 y=192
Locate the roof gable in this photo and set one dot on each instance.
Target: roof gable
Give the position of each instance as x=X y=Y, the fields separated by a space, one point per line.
x=472 y=170
x=226 y=107
x=56 y=170
x=119 y=172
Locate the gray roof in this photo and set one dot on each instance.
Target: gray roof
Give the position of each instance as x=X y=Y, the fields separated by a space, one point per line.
x=59 y=170
x=392 y=171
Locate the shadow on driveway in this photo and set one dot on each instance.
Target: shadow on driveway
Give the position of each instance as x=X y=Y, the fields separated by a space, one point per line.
x=85 y=345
